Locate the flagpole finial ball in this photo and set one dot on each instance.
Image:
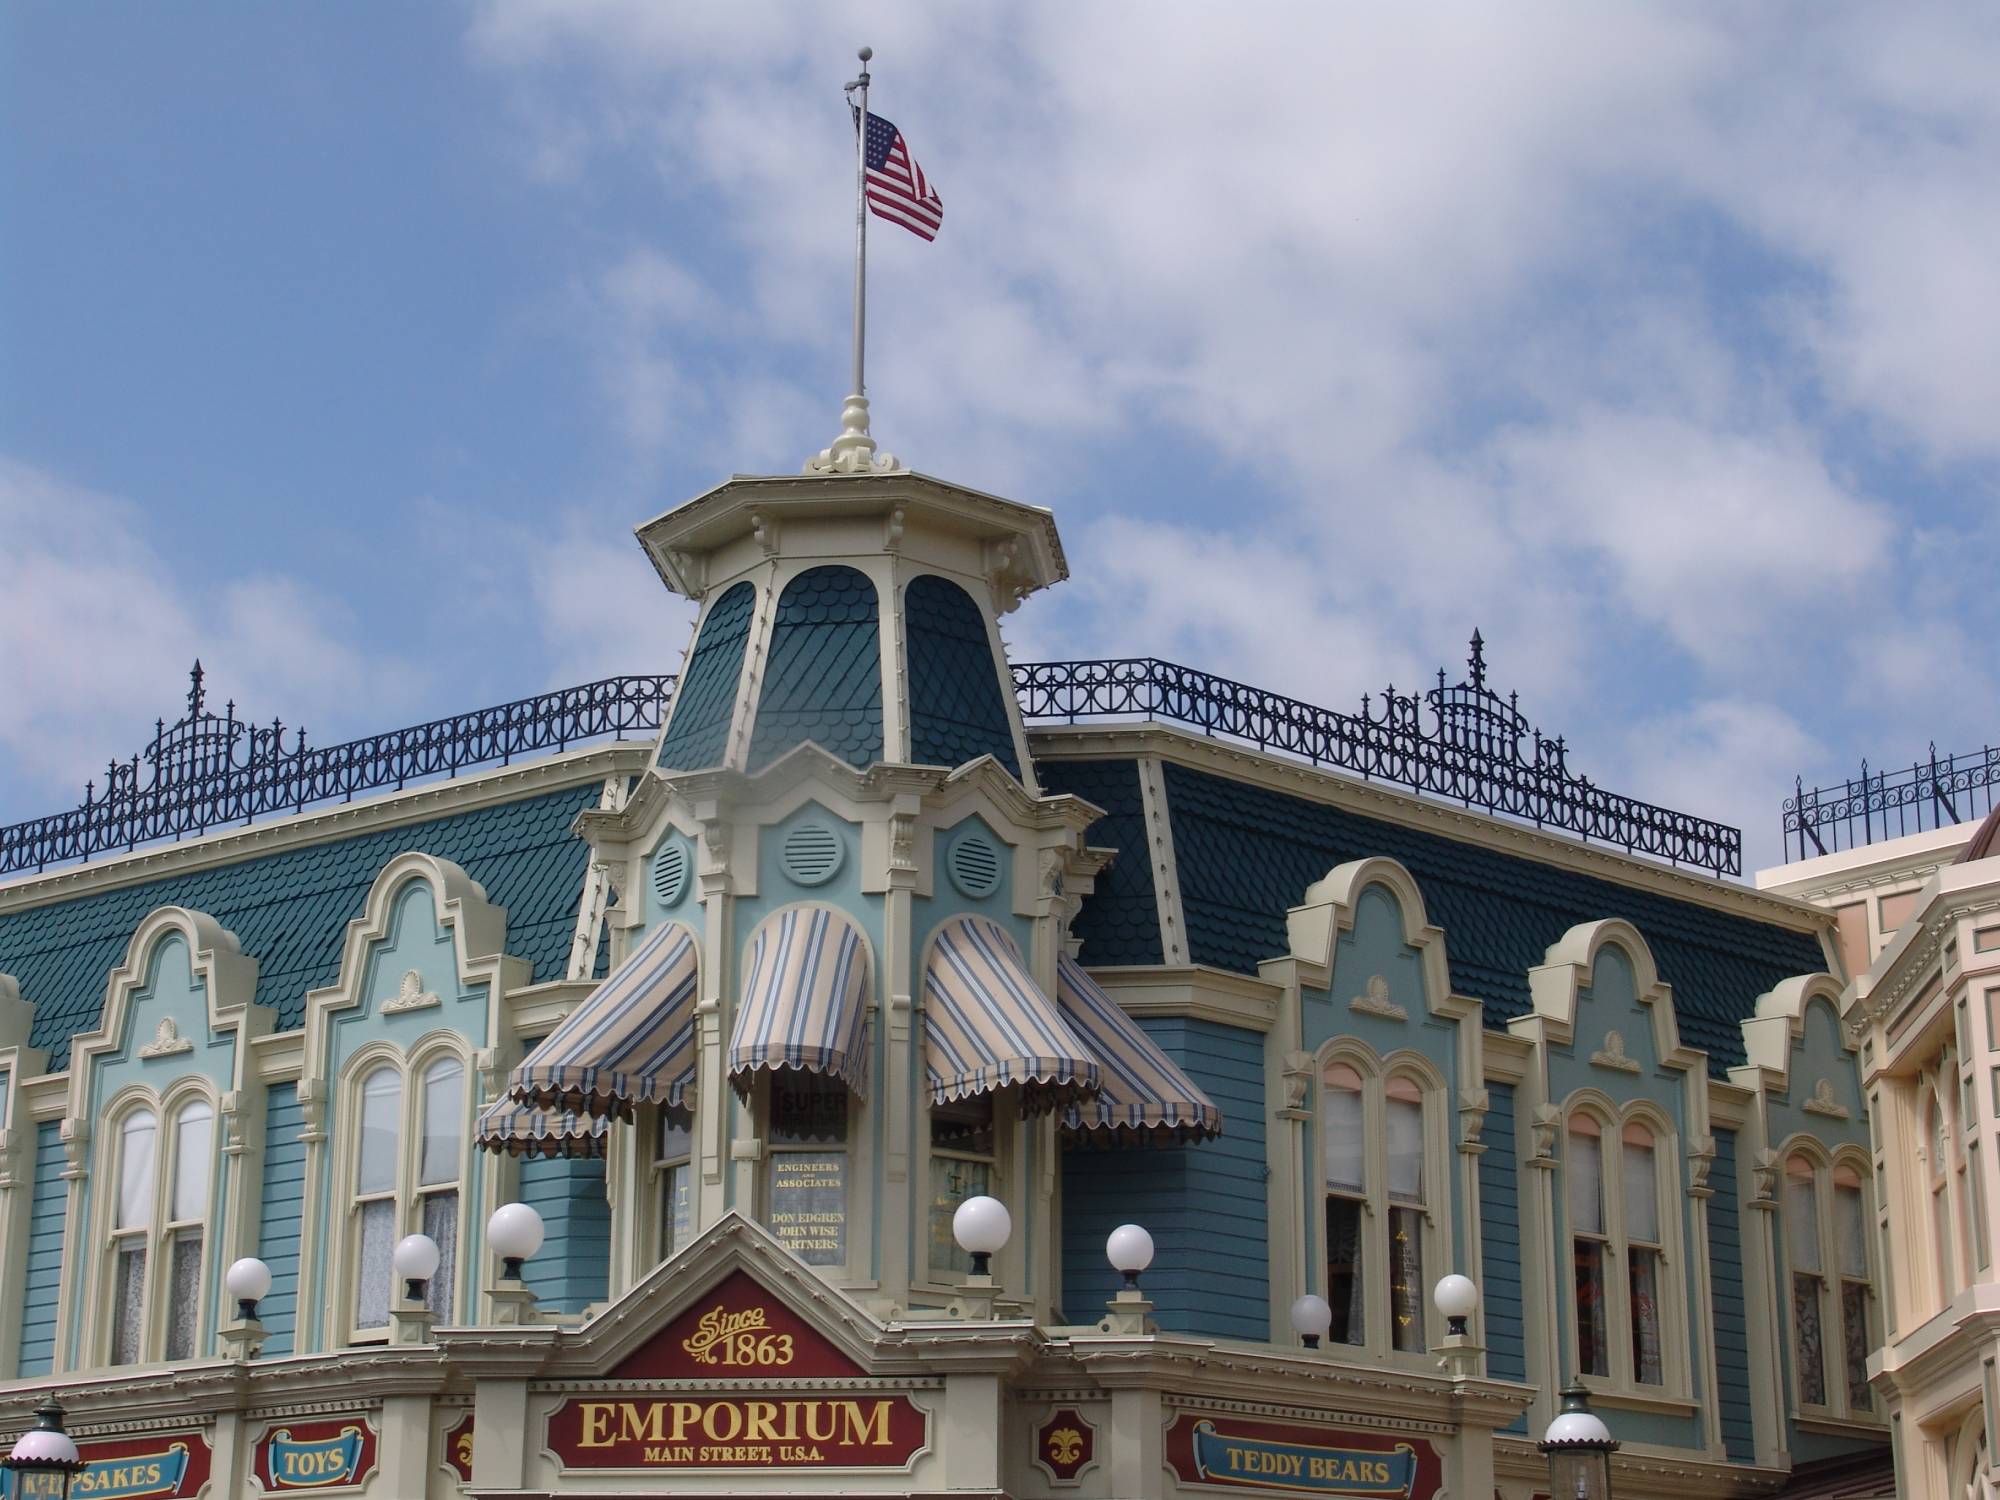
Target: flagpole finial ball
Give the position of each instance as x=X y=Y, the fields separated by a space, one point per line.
x=867 y=54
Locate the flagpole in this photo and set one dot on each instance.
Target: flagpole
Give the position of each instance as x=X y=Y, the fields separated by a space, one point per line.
x=861 y=225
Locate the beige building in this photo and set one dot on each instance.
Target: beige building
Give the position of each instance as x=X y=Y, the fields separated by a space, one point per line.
x=1919 y=928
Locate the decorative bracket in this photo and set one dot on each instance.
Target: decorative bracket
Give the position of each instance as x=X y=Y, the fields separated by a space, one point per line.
x=1298 y=1083
x=1472 y=1107
x=1764 y=1180
x=1701 y=1156
x=1546 y=1125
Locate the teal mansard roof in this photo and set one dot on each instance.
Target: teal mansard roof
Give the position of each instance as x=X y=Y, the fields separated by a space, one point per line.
x=290 y=909
x=1244 y=854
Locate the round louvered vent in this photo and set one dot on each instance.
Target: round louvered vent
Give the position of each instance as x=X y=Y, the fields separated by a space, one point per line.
x=812 y=853
x=974 y=865
x=670 y=874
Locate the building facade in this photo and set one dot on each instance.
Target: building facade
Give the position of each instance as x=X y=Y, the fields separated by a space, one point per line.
x=747 y=1008
x=1920 y=911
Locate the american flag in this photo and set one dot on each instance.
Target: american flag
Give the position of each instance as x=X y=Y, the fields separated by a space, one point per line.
x=897 y=190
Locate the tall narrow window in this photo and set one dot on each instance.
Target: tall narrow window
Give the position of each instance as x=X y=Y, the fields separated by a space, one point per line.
x=1644 y=1251
x=1938 y=1147
x=806 y=1191
x=187 y=1213
x=1343 y=1129
x=1802 y=1235
x=1590 y=1242
x=1850 y=1237
x=1403 y=1128
x=138 y=1139
x=375 y=1194
x=962 y=1146
x=443 y=1138
x=674 y=1169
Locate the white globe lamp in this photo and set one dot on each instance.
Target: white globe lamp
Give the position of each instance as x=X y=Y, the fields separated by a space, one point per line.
x=44 y=1459
x=1579 y=1448
x=249 y=1282
x=1130 y=1251
x=982 y=1226
x=1311 y=1318
x=1456 y=1297
x=415 y=1259
x=514 y=1233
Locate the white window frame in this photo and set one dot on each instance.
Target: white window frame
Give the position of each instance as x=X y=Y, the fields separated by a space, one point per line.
x=1832 y=1309
x=409 y=1191
x=859 y=1227
x=1675 y=1384
x=1434 y=1213
x=161 y=1230
x=659 y=1165
x=1007 y=1126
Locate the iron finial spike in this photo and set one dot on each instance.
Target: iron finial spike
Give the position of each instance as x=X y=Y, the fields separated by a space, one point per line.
x=1477 y=661
x=194 y=689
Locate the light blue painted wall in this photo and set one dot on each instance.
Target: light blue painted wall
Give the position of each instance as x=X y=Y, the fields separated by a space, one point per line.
x=42 y=1276
x=1204 y=1204
x=1732 y=1329
x=280 y=1210
x=1500 y=1229
x=573 y=1268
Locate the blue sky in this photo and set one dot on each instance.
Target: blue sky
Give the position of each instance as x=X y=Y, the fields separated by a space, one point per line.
x=343 y=346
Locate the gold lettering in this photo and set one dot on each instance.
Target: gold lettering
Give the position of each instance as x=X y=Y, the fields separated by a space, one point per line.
x=685 y=1412
x=596 y=1424
x=871 y=1432
x=714 y=1430
x=635 y=1428
x=760 y=1420
x=813 y=1433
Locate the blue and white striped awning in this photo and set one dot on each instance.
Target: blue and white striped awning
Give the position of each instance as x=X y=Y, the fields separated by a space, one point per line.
x=804 y=1003
x=1145 y=1094
x=987 y=1025
x=631 y=1041
x=507 y=1126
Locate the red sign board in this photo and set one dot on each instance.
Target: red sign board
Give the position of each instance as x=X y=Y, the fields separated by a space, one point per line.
x=737 y=1330
x=1217 y=1451
x=165 y=1467
x=292 y=1457
x=1065 y=1445
x=815 y=1430
x=458 y=1448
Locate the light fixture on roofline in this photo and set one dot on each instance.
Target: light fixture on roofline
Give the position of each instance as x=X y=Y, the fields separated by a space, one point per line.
x=1312 y=1317
x=514 y=1233
x=1579 y=1447
x=415 y=1260
x=44 y=1458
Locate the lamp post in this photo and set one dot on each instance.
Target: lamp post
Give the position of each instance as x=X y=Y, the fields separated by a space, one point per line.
x=249 y=1282
x=1456 y=1297
x=1311 y=1318
x=44 y=1459
x=514 y=1233
x=1130 y=1250
x=982 y=1227
x=1579 y=1447
x=414 y=1262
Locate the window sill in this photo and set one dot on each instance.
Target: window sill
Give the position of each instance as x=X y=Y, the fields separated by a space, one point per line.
x=1827 y=1425
x=1624 y=1398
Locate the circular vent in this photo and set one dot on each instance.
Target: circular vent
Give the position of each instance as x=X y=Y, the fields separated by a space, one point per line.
x=812 y=853
x=670 y=874
x=974 y=865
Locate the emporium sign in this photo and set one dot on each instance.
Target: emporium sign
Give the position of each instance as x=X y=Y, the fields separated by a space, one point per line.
x=172 y=1465
x=735 y=1333
x=1223 y=1452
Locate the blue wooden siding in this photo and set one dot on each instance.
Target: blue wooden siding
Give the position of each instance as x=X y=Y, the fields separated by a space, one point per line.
x=1732 y=1331
x=282 y=1205
x=42 y=1277
x=1205 y=1205
x=1500 y=1226
x=573 y=1268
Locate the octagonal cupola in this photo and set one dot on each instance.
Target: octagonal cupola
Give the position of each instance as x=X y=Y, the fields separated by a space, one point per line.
x=854 y=611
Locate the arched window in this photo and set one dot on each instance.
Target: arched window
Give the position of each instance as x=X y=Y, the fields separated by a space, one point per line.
x=1377 y=1194
x=158 y=1221
x=408 y=1161
x=1619 y=1226
x=1826 y=1242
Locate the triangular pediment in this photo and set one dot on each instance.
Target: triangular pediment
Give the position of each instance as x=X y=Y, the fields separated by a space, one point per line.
x=741 y=1329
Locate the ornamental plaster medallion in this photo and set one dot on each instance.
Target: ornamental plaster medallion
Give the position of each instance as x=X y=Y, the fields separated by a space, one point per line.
x=1613 y=1055
x=1374 y=1001
x=167 y=1040
x=411 y=995
x=1065 y=1445
x=1823 y=1102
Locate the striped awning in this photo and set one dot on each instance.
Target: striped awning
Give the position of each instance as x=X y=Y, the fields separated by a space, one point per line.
x=987 y=1025
x=805 y=999
x=519 y=1131
x=1145 y=1094
x=630 y=1041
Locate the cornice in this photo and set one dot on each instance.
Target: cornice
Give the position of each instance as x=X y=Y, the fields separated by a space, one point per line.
x=321 y=825
x=1103 y=741
x=1193 y=990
